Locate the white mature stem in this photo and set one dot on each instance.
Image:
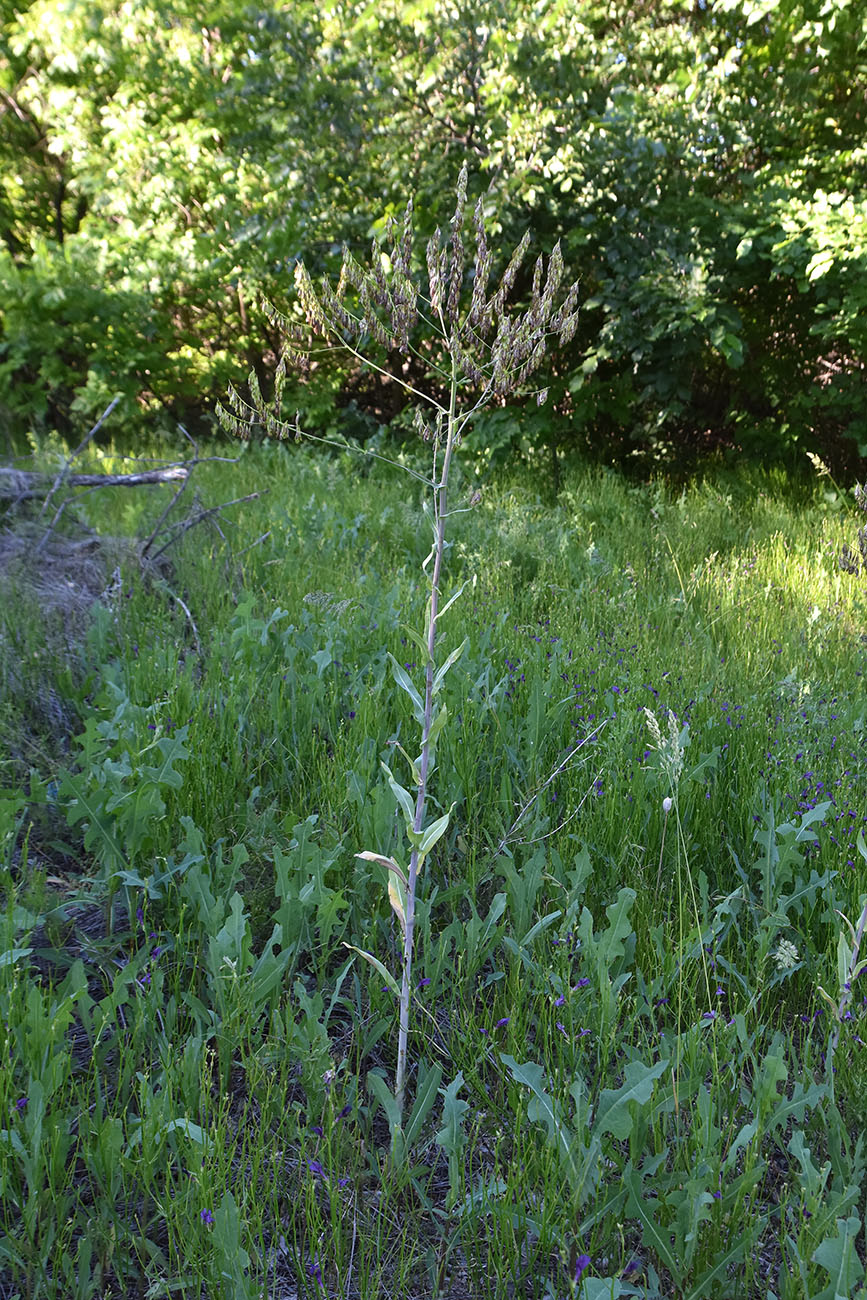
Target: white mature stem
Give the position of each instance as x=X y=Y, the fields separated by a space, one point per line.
x=440 y=502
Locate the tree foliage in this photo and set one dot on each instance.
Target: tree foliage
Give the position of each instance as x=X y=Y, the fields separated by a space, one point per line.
x=162 y=169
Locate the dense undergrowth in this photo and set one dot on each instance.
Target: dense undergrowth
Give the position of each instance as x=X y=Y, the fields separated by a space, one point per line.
x=638 y=1066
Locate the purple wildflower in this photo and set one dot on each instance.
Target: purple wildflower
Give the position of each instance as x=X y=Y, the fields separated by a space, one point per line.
x=582 y=1263
x=502 y=1023
x=207 y=1217
x=21 y=1105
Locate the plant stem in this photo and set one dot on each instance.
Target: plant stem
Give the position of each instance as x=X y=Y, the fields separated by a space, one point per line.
x=440 y=502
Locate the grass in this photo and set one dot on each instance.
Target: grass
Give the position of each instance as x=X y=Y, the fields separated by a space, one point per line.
x=621 y=1083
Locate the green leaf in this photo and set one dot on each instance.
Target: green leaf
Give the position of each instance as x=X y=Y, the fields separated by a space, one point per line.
x=614 y=1114
x=194 y=1132
x=838 y=1255
x=322 y=659
x=425 y=1097
x=227 y=1240
x=541 y=925
x=173 y=751
x=397 y=898
x=402 y=678
x=100 y=836
x=451 y=1137
x=417 y=640
x=380 y=1089
x=640 y=1206
x=11 y=955
x=444 y=668
x=436 y=727
x=447 y=606
x=820 y=264
x=722 y=1264
x=432 y=833
x=542 y=1108
x=602 y=1288
x=378 y=966
x=402 y=796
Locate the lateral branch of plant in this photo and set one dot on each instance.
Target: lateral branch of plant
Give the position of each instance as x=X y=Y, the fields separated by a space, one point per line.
x=486 y=348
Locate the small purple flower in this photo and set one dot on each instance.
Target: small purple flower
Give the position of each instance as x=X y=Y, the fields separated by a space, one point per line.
x=21 y=1105
x=422 y=984
x=558 y=1002
x=709 y=1015
x=139 y=915
x=206 y=1217
x=582 y=984
x=318 y=1130
x=316 y=1169
x=501 y=1024
x=314 y=1271
x=347 y=1110
x=582 y=1263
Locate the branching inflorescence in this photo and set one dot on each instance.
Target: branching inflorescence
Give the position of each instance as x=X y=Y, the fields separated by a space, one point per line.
x=479 y=350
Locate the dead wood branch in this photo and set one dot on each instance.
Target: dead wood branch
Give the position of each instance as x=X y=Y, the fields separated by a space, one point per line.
x=211 y=513
x=24 y=485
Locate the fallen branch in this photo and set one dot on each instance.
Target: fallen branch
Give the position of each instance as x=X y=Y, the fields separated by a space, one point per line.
x=23 y=485
x=210 y=513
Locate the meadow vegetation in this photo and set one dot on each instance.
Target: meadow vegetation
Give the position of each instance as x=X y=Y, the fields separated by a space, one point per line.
x=481 y=919
x=636 y=1064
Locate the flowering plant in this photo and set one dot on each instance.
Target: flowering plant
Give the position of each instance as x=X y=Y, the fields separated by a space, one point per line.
x=479 y=350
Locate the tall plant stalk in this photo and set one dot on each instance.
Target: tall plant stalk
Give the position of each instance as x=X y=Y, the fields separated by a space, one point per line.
x=484 y=350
